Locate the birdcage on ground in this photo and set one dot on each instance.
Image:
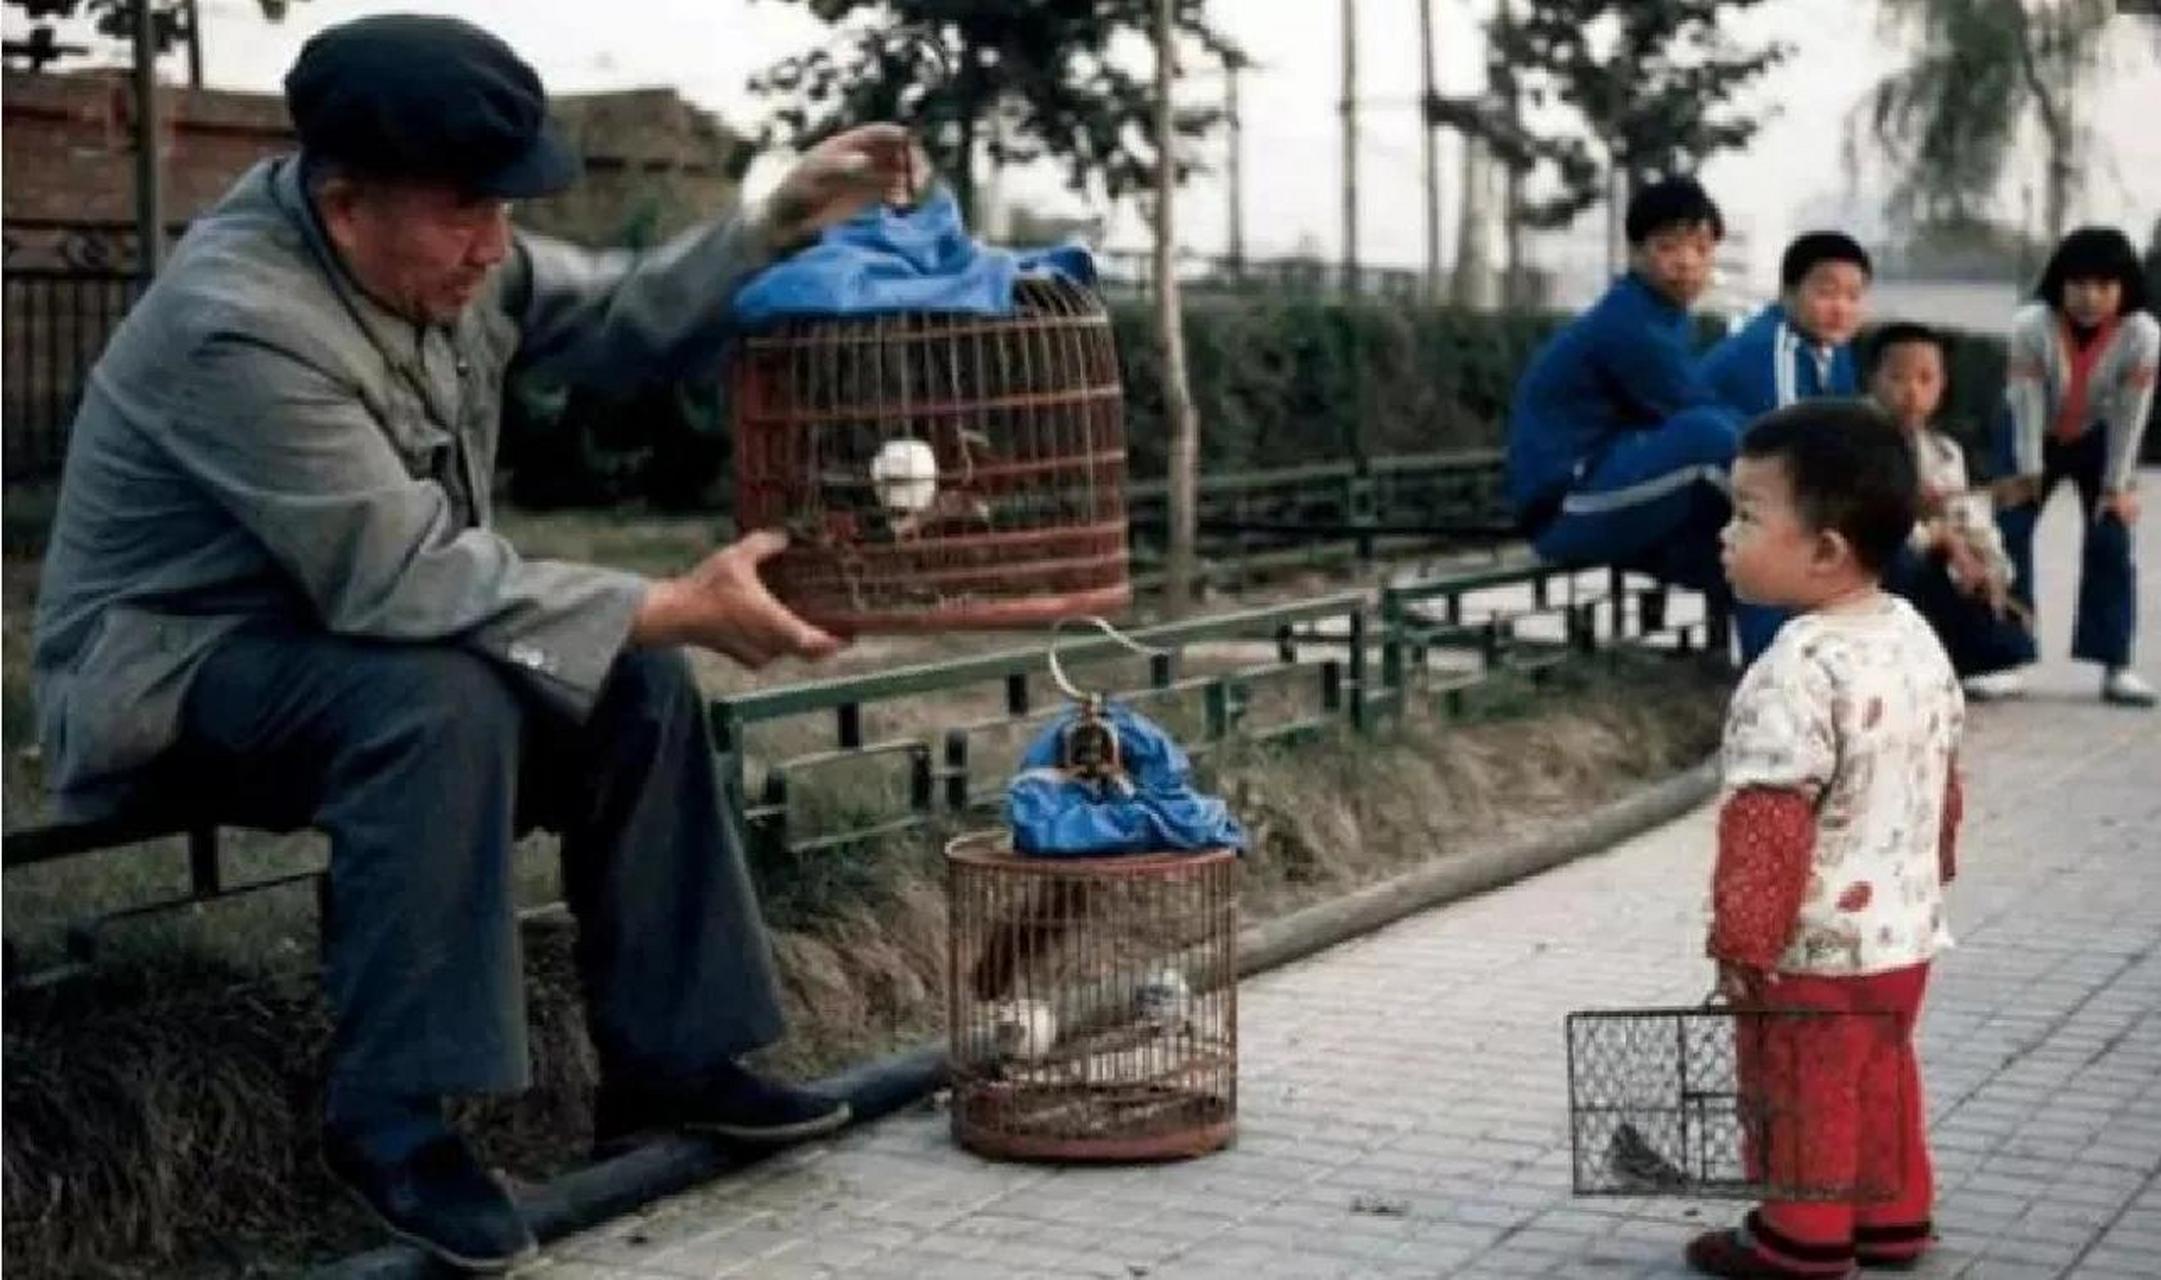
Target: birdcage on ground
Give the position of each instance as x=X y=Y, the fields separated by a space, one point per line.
x=1092 y=1002
x=1716 y=1102
x=938 y=471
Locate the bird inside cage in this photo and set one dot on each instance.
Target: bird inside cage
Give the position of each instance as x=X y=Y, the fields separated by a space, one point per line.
x=899 y=493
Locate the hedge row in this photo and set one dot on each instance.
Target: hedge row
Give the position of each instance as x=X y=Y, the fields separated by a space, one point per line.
x=1276 y=381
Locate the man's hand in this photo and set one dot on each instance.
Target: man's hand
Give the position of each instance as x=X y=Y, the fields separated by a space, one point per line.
x=2123 y=504
x=839 y=177
x=723 y=606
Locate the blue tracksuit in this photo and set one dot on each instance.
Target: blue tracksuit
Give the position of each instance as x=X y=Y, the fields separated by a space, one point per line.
x=1768 y=364
x=1617 y=449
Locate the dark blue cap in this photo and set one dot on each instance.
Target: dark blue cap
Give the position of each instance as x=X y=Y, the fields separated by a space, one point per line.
x=438 y=99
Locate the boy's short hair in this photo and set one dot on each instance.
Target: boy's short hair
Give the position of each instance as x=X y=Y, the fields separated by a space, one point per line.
x=1851 y=470
x=1906 y=333
x=1812 y=249
x=1671 y=202
x=2094 y=253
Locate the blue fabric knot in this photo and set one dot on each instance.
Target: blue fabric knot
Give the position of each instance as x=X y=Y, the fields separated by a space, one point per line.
x=884 y=261
x=1153 y=809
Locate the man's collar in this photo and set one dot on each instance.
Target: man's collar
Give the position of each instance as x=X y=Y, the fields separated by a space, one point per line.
x=398 y=336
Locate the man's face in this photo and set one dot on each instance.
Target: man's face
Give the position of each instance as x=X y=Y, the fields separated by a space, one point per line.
x=1909 y=383
x=423 y=250
x=1828 y=303
x=1676 y=260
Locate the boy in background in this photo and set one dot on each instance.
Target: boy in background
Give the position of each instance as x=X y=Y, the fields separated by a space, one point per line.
x=1955 y=569
x=1799 y=347
x=1617 y=450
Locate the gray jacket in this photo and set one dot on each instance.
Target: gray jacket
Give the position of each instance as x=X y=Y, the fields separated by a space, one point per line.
x=261 y=443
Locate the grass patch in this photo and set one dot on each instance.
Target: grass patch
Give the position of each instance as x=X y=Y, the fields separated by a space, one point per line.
x=161 y=1108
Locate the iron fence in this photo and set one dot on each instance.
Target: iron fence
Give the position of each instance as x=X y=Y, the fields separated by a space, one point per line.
x=56 y=322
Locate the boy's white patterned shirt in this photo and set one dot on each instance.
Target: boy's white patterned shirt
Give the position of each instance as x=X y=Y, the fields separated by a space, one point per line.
x=1861 y=712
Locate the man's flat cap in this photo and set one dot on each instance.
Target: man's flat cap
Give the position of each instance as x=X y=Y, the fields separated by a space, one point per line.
x=407 y=96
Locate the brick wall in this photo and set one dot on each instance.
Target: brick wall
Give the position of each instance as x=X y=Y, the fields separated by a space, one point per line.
x=68 y=148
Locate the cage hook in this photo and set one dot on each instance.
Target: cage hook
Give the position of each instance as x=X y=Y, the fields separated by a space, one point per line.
x=1089 y=748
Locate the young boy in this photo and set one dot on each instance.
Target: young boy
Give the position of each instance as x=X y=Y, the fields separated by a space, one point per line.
x=1954 y=569
x=1799 y=347
x=1834 y=842
x=1617 y=451
x=1802 y=345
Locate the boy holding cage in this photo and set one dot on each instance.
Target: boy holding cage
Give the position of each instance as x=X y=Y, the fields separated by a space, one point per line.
x=1835 y=840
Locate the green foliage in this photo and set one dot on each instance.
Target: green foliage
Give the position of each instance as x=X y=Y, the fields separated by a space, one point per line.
x=1650 y=83
x=111 y=19
x=1978 y=71
x=1278 y=380
x=945 y=67
x=1283 y=381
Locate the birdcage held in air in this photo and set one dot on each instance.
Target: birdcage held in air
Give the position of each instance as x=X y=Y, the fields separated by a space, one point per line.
x=938 y=471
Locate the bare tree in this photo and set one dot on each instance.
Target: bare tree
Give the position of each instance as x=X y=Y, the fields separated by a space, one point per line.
x=1980 y=70
x=1177 y=394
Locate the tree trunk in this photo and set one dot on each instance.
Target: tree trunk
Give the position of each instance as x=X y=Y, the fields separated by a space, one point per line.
x=963 y=176
x=149 y=178
x=1179 y=592
x=1430 y=154
x=2056 y=195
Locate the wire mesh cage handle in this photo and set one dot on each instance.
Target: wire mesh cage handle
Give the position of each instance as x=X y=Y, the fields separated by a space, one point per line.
x=1090 y=748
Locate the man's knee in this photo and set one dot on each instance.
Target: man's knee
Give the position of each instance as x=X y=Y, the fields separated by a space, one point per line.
x=1704 y=437
x=444 y=700
x=653 y=684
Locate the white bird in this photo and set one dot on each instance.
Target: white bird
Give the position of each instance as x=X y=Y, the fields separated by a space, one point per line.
x=904 y=476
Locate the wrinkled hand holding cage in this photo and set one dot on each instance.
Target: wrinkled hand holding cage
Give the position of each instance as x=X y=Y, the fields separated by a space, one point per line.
x=1092 y=1002
x=1715 y=1102
x=938 y=471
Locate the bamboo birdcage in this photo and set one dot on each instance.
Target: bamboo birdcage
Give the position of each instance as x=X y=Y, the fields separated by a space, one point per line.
x=938 y=471
x=1092 y=1002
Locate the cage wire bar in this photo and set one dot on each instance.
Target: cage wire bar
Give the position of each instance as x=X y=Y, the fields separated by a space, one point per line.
x=1715 y=1102
x=939 y=471
x=1092 y=1002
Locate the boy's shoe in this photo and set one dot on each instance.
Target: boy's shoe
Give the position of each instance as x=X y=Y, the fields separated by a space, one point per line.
x=1996 y=686
x=438 y=1198
x=729 y=1102
x=2123 y=687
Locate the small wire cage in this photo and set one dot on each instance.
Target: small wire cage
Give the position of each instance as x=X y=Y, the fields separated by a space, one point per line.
x=939 y=472
x=1718 y=1103
x=1092 y=1002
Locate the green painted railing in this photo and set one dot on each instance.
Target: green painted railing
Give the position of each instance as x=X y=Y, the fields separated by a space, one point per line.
x=1348 y=659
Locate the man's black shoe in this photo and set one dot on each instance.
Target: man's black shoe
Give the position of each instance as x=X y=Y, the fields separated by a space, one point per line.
x=729 y=1103
x=438 y=1198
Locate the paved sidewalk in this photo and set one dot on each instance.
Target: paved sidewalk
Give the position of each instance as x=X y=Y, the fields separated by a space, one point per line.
x=1403 y=1096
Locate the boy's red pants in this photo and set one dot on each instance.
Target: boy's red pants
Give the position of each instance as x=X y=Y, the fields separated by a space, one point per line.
x=1843 y=1097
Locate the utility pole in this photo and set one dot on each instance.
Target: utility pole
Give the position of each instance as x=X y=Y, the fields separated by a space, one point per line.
x=1349 y=108
x=1515 y=288
x=1428 y=91
x=149 y=198
x=1235 y=239
x=195 y=43
x=1170 y=325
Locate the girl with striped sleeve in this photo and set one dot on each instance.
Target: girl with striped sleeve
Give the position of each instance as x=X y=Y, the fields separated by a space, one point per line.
x=2080 y=389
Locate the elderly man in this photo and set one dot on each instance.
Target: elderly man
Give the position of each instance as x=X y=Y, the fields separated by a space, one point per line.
x=272 y=586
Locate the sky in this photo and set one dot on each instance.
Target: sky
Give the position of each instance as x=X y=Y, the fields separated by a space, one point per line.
x=1790 y=179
